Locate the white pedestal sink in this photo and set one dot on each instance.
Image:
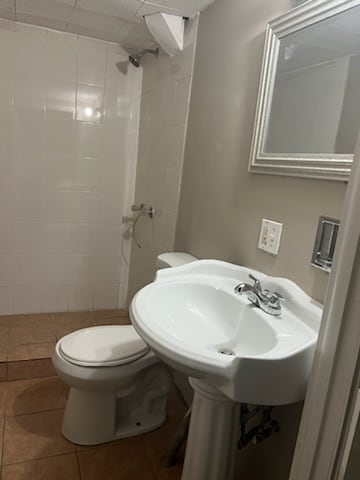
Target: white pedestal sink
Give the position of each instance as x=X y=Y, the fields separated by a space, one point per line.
x=231 y=350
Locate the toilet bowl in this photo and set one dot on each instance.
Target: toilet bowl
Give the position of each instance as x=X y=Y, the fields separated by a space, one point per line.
x=118 y=387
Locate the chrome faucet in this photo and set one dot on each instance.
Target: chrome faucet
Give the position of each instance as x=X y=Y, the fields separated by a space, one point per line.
x=269 y=302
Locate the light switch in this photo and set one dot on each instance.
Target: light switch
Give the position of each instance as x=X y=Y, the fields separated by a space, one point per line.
x=270 y=235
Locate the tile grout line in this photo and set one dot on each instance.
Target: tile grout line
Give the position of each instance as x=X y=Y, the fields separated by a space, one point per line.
x=3 y=434
x=151 y=460
x=78 y=463
x=38 y=459
x=35 y=413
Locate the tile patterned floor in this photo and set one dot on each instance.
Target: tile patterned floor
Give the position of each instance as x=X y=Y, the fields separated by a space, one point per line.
x=32 y=447
x=31 y=444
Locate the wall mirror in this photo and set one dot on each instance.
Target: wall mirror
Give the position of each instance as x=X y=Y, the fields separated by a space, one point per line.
x=308 y=111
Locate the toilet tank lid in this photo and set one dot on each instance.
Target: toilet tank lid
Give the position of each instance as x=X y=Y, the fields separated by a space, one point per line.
x=174 y=259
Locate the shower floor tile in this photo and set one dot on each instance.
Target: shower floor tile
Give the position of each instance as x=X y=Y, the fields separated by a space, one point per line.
x=33 y=447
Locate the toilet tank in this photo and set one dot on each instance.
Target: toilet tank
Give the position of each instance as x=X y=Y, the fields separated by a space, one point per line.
x=173 y=259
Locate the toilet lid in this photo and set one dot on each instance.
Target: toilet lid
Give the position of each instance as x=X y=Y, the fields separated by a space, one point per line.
x=107 y=345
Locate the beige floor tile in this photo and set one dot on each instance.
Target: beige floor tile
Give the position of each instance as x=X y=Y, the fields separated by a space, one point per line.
x=18 y=370
x=32 y=329
x=113 y=321
x=34 y=395
x=156 y=442
x=3 y=391
x=31 y=352
x=42 y=367
x=63 y=467
x=3 y=371
x=126 y=461
x=22 y=370
x=4 y=343
x=25 y=320
x=67 y=323
x=2 y=421
x=5 y=320
x=34 y=436
x=103 y=314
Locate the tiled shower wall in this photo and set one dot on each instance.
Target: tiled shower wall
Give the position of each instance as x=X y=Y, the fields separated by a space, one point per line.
x=68 y=148
x=162 y=134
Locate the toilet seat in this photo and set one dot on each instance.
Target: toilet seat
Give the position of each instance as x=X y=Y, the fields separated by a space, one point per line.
x=108 y=345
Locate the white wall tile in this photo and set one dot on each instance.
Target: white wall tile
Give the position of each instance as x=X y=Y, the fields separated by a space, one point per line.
x=27 y=299
x=56 y=269
x=106 y=296
x=64 y=184
x=56 y=238
x=85 y=208
x=61 y=136
x=87 y=174
x=90 y=104
x=91 y=64
x=114 y=176
x=55 y=298
x=29 y=95
x=28 y=205
x=7 y=207
x=89 y=140
x=109 y=239
x=84 y=238
x=6 y=300
x=28 y=131
x=115 y=141
x=61 y=56
x=7 y=270
x=60 y=99
x=111 y=209
x=29 y=270
x=6 y=238
x=59 y=171
x=107 y=268
x=28 y=237
x=28 y=169
x=58 y=206
x=6 y=129
x=6 y=167
x=81 y=297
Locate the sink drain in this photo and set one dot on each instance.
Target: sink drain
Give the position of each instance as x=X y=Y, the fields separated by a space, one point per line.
x=226 y=351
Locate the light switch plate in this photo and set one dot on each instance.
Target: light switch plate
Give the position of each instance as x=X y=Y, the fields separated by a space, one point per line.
x=270 y=235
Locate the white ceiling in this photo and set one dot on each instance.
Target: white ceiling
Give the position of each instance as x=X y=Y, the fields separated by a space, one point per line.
x=113 y=20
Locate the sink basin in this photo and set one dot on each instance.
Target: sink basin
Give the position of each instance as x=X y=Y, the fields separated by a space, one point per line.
x=231 y=350
x=192 y=318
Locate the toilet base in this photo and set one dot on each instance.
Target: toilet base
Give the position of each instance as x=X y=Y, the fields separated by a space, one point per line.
x=92 y=417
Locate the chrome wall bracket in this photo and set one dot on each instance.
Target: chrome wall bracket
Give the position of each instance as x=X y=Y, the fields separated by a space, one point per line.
x=325 y=241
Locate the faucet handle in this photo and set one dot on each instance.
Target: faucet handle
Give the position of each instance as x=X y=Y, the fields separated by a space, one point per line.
x=275 y=299
x=257 y=285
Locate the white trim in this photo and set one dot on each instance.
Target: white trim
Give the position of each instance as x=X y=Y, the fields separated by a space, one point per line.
x=325 y=166
x=334 y=381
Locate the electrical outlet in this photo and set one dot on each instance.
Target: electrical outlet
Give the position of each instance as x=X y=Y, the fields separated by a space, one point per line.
x=270 y=235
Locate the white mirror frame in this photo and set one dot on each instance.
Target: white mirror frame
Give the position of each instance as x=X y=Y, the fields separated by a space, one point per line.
x=323 y=166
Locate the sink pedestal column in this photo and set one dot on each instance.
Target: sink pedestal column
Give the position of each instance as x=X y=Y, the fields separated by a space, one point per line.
x=211 y=444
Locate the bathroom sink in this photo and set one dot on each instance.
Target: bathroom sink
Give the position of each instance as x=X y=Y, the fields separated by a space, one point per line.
x=192 y=318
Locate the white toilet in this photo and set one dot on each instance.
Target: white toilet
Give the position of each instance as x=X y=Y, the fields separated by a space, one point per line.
x=118 y=387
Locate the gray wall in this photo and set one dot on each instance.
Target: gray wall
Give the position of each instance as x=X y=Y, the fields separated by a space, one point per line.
x=221 y=203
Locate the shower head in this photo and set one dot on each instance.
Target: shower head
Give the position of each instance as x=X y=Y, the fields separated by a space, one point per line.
x=135 y=59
